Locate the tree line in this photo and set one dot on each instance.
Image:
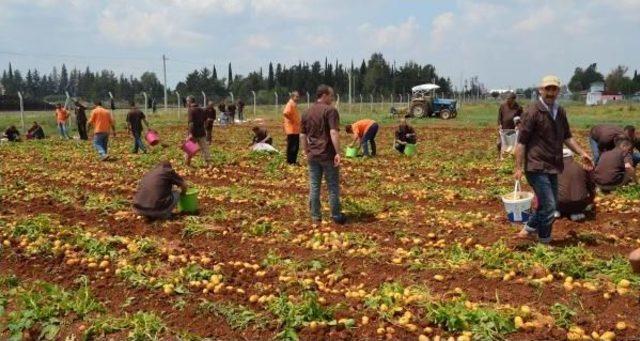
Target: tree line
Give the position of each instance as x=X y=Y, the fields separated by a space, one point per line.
x=373 y=76
x=616 y=81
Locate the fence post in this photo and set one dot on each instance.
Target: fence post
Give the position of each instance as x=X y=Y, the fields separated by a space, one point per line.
x=360 y=103
x=232 y=99
x=408 y=100
x=145 y=100
x=371 y=103
x=179 y=103
x=381 y=102
x=204 y=99
x=393 y=100
x=21 y=111
x=308 y=103
x=338 y=101
x=254 y=104
x=276 y=94
x=66 y=101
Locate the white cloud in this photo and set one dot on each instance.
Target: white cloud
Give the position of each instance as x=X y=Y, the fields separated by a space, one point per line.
x=542 y=17
x=399 y=36
x=210 y=6
x=259 y=41
x=440 y=27
x=290 y=9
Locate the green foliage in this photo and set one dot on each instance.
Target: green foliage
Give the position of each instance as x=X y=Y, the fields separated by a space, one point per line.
x=237 y=316
x=293 y=315
x=563 y=315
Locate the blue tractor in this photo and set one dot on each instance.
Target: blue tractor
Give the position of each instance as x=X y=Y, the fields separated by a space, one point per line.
x=424 y=103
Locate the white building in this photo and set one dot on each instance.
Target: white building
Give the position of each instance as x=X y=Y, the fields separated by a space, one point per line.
x=597 y=94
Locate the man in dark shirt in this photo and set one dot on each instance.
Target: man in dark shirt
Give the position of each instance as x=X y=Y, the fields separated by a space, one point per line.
x=197 y=131
x=261 y=135
x=35 y=132
x=240 y=110
x=615 y=167
x=135 y=118
x=544 y=131
x=211 y=117
x=576 y=190
x=320 y=138
x=12 y=134
x=81 y=120
x=155 y=198
x=630 y=131
x=507 y=112
x=404 y=135
x=602 y=138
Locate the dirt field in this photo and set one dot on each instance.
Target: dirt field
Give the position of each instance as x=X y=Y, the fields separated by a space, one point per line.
x=427 y=252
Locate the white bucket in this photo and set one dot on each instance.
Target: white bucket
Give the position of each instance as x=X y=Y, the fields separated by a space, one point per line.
x=508 y=140
x=518 y=204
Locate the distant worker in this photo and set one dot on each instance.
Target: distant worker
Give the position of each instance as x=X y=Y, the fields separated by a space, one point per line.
x=62 y=115
x=12 y=134
x=364 y=133
x=615 y=168
x=210 y=112
x=197 y=132
x=261 y=135
x=102 y=123
x=135 y=118
x=630 y=131
x=292 y=128
x=240 y=110
x=231 y=111
x=155 y=197
x=602 y=138
x=507 y=112
x=81 y=120
x=576 y=190
x=35 y=132
x=405 y=134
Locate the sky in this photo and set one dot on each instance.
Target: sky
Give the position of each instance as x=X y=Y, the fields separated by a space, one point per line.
x=507 y=44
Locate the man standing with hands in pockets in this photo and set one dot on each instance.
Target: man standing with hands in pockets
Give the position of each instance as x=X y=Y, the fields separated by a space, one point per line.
x=544 y=131
x=320 y=138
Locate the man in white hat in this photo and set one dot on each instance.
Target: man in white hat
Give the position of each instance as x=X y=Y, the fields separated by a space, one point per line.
x=544 y=132
x=576 y=190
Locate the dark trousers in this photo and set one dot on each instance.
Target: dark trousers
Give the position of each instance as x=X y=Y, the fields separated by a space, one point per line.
x=293 y=145
x=209 y=133
x=370 y=138
x=82 y=130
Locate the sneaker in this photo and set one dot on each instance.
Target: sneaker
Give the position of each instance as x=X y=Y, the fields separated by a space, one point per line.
x=341 y=220
x=577 y=217
x=556 y=214
x=104 y=157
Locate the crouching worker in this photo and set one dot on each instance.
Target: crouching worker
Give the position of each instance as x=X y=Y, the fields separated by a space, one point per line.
x=156 y=198
x=35 y=132
x=576 y=190
x=615 y=168
x=12 y=134
x=404 y=135
x=261 y=135
x=364 y=133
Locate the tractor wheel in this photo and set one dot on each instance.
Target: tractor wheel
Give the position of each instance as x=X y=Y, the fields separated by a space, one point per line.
x=417 y=111
x=445 y=114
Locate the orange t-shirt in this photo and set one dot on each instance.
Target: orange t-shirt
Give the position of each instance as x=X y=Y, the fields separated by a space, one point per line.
x=62 y=115
x=101 y=120
x=360 y=127
x=291 y=118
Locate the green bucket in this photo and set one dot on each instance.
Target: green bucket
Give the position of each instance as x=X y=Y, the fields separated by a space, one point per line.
x=189 y=201
x=351 y=152
x=410 y=149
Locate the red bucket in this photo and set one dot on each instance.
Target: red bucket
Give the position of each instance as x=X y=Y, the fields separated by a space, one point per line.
x=190 y=147
x=152 y=137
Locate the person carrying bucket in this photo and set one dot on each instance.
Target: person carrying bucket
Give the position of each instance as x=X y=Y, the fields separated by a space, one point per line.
x=364 y=133
x=156 y=198
x=197 y=132
x=404 y=135
x=135 y=118
x=507 y=113
x=576 y=190
x=545 y=129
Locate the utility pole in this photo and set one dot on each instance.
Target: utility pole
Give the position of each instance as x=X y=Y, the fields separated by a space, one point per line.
x=164 y=71
x=350 y=99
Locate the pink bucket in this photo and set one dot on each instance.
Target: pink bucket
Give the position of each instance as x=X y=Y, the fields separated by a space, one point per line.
x=152 y=137
x=190 y=147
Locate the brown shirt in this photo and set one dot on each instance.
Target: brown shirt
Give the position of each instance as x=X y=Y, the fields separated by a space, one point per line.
x=260 y=134
x=574 y=183
x=610 y=170
x=154 y=192
x=197 y=118
x=605 y=135
x=543 y=138
x=506 y=114
x=316 y=124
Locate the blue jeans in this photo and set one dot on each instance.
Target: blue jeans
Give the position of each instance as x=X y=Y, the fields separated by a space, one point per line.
x=100 y=141
x=137 y=143
x=370 y=137
x=62 y=129
x=546 y=188
x=332 y=177
x=595 y=150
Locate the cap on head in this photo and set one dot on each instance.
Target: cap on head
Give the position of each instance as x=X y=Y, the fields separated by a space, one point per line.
x=517 y=119
x=550 y=80
x=566 y=152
